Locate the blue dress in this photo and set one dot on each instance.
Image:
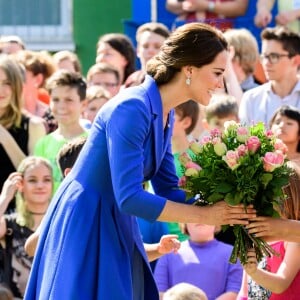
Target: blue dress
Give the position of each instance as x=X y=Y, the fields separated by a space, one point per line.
x=90 y=246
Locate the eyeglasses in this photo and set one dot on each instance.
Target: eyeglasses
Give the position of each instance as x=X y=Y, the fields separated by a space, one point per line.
x=106 y=84
x=274 y=58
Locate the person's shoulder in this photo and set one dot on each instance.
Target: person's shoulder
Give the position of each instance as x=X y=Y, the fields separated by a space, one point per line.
x=256 y=93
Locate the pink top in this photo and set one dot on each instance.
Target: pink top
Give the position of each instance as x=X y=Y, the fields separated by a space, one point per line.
x=273 y=263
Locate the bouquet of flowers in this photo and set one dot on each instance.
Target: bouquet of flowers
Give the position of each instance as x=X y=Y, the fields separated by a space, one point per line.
x=241 y=165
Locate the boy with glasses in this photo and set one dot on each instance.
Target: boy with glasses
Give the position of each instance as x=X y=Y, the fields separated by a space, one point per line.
x=280 y=61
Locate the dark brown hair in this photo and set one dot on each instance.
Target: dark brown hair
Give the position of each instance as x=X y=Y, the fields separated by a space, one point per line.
x=193 y=44
x=188 y=109
x=289 y=39
x=67 y=78
x=121 y=43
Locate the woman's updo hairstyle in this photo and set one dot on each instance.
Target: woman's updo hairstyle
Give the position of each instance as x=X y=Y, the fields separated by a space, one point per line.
x=193 y=44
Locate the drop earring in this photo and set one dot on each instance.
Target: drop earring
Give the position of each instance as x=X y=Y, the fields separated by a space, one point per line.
x=188 y=81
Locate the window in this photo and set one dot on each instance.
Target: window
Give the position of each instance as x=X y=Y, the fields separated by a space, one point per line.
x=42 y=24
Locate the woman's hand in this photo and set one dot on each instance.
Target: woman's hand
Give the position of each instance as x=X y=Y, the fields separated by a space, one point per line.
x=271 y=229
x=222 y=214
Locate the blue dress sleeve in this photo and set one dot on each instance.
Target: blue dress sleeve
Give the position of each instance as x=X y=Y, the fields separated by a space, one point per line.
x=126 y=130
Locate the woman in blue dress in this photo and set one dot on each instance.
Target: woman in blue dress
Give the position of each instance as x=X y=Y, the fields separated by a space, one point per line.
x=90 y=246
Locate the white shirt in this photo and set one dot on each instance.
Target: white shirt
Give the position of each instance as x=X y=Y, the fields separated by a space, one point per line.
x=260 y=103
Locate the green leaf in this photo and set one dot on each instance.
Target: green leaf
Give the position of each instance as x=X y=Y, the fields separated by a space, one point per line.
x=215 y=197
x=223 y=187
x=266 y=178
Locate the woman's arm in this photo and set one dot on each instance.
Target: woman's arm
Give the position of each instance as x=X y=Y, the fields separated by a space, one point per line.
x=217 y=214
x=11 y=147
x=273 y=229
x=36 y=130
x=280 y=281
x=263 y=12
x=8 y=192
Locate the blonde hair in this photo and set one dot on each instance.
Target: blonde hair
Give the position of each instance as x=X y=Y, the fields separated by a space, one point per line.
x=96 y=92
x=13 y=71
x=24 y=217
x=245 y=48
x=184 y=291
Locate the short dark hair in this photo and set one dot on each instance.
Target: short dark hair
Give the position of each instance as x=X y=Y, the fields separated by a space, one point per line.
x=289 y=39
x=68 y=154
x=188 y=109
x=192 y=44
x=67 y=78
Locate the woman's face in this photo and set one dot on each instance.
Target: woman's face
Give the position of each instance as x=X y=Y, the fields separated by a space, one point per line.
x=37 y=184
x=207 y=79
x=106 y=53
x=5 y=92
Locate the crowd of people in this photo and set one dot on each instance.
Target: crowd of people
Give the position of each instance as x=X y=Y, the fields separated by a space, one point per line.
x=89 y=232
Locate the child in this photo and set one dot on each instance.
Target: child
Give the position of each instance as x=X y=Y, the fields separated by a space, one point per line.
x=33 y=183
x=202 y=261
x=184 y=291
x=66 y=159
x=104 y=75
x=281 y=276
x=286 y=125
x=222 y=108
x=186 y=117
x=67 y=94
x=96 y=97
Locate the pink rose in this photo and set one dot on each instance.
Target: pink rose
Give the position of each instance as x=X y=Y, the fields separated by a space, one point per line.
x=279 y=145
x=242 y=134
x=253 y=143
x=242 y=150
x=182 y=181
x=184 y=158
x=193 y=165
x=216 y=140
x=205 y=140
x=269 y=133
x=215 y=132
x=273 y=160
x=231 y=158
x=195 y=147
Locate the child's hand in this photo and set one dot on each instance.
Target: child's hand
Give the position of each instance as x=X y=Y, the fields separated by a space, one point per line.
x=168 y=243
x=11 y=185
x=251 y=266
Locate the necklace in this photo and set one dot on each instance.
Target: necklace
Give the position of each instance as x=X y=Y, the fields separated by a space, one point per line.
x=37 y=213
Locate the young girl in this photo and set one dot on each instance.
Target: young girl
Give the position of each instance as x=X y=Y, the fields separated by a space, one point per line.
x=286 y=126
x=33 y=184
x=281 y=275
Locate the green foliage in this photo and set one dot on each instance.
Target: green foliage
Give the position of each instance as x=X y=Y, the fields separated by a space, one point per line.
x=244 y=174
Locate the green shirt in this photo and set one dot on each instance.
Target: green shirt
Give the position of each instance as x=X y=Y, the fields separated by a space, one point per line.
x=48 y=147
